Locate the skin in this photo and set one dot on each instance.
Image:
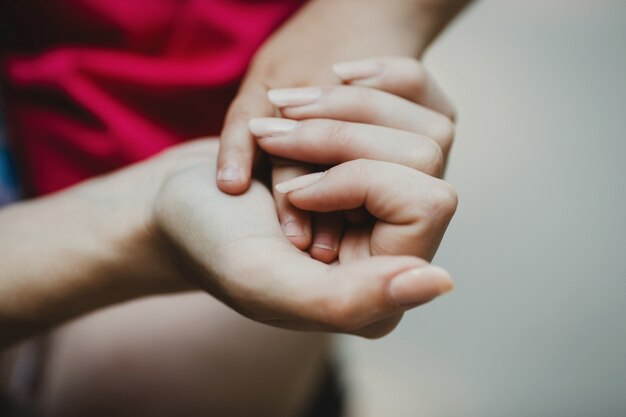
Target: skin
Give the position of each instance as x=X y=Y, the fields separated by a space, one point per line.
x=301 y=54
x=162 y=226
x=186 y=234
x=107 y=232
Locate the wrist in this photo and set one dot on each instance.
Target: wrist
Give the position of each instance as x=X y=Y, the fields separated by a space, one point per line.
x=133 y=258
x=355 y=29
x=60 y=259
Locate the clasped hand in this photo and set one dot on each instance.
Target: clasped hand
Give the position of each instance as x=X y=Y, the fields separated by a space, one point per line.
x=381 y=154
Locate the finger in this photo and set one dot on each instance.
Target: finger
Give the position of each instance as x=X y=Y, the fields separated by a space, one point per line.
x=237 y=147
x=413 y=208
x=244 y=260
x=296 y=223
x=330 y=142
x=366 y=297
x=402 y=76
x=327 y=232
x=363 y=105
x=355 y=243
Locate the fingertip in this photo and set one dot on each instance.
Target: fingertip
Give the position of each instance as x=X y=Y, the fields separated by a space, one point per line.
x=298 y=233
x=419 y=285
x=325 y=255
x=232 y=180
x=300 y=242
x=325 y=247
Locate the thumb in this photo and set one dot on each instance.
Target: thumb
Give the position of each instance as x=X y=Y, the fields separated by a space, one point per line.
x=354 y=296
x=237 y=146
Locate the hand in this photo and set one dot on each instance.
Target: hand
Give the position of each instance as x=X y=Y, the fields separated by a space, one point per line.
x=381 y=103
x=300 y=54
x=302 y=51
x=234 y=247
x=162 y=226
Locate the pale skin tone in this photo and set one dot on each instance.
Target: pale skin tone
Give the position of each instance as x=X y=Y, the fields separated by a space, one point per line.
x=282 y=62
x=167 y=228
x=301 y=54
x=162 y=226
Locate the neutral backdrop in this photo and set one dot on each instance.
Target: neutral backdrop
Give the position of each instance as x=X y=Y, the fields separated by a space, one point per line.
x=537 y=323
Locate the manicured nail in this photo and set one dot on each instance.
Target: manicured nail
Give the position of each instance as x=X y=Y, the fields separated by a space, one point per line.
x=419 y=285
x=229 y=174
x=293 y=229
x=358 y=70
x=283 y=97
x=299 y=182
x=270 y=126
x=326 y=241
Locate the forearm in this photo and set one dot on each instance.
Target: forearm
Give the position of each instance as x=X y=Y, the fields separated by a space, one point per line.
x=65 y=255
x=351 y=29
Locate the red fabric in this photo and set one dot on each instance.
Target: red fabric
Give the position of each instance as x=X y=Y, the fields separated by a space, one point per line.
x=92 y=85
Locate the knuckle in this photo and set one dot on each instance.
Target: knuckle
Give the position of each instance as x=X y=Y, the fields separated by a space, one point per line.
x=443 y=200
x=428 y=157
x=443 y=131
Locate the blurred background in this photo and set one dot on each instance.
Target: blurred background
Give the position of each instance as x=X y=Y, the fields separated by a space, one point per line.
x=537 y=323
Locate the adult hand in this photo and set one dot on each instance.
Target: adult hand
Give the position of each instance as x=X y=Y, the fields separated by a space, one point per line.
x=392 y=97
x=162 y=226
x=235 y=248
x=302 y=51
x=300 y=54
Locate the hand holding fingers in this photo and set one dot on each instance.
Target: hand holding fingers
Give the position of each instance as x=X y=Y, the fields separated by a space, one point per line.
x=235 y=249
x=418 y=135
x=412 y=209
x=386 y=124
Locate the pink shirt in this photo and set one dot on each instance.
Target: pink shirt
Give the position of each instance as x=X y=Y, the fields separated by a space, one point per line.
x=93 y=85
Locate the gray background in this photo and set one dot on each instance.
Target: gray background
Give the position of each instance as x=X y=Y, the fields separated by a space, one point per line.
x=537 y=323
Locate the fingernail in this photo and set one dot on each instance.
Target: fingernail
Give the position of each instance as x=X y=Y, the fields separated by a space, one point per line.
x=419 y=285
x=229 y=174
x=326 y=241
x=269 y=126
x=293 y=229
x=299 y=182
x=358 y=70
x=283 y=97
